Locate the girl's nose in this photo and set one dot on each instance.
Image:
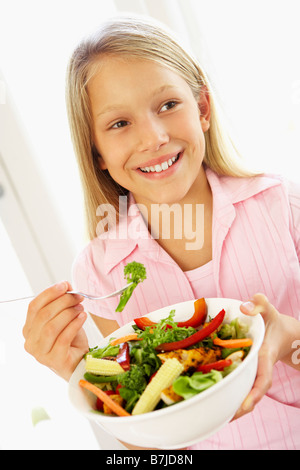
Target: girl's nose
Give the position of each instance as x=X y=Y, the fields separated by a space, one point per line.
x=151 y=135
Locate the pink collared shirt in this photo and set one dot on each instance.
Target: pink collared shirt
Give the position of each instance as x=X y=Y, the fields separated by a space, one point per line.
x=256 y=248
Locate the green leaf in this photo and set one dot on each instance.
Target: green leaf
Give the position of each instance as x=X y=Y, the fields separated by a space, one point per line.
x=188 y=387
x=108 y=350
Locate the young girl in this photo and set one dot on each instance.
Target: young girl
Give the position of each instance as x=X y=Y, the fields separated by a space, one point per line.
x=147 y=136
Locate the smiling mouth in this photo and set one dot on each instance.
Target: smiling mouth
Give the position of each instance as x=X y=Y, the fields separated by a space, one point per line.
x=161 y=167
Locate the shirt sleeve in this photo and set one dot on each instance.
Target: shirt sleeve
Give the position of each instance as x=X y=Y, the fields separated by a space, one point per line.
x=294 y=199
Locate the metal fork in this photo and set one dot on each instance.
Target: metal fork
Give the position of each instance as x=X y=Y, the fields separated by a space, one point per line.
x=87 y=296
x=93 y=297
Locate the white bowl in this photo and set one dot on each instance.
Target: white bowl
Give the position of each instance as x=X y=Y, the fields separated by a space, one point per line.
x=188 y=421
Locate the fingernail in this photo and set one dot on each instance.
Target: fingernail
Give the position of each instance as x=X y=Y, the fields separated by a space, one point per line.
x=78 y=307
x=78 y=298
x=61 y=286
x=248 y=306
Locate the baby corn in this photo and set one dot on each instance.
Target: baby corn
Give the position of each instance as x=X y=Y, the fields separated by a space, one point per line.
x=165 y=376
x=98 y=366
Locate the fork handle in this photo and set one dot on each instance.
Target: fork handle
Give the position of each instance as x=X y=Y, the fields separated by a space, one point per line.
x=77 y=293
x=28 y=297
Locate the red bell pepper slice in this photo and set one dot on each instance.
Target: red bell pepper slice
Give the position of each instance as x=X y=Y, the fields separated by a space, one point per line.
x=143 y=322
x=218 y=365
x=196 y=337
x=123 y=357
x=197 y=319
x=199 y=315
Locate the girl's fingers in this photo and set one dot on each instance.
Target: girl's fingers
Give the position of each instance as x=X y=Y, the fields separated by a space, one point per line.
x=37 y=318
x=65 y=346
x=44 y=298
x=260 y=304
x=48 y=295
x=55 y=308
x=48 y=315
x=267 y=354
x=262 y=382
x=45 y=337
x=66 y=338
x=53 y=330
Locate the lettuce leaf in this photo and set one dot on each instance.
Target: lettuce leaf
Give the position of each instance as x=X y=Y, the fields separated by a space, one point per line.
x=152 y=337
x=235 y=329
x=108 y=350
x=187 y=387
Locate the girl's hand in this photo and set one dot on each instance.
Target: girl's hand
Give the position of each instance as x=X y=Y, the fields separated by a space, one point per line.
x=277 y=345
x=53 y=330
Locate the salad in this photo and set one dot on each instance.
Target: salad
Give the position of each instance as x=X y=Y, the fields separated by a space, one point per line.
x=160 y=364
x=134 y=273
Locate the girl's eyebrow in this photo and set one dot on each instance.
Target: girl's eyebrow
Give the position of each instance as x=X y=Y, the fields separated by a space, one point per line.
x=163 y=88
x=115 y=107
x=107 y=109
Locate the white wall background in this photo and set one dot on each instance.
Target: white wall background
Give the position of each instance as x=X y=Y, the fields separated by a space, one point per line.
x=41 y=207
x=254 y=49
x=250 y=49
x=36 y=41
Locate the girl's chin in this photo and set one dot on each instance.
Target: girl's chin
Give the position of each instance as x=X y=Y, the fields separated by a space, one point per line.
x=169 y=197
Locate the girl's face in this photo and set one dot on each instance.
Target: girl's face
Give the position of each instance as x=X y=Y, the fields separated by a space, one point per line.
x=148 y=129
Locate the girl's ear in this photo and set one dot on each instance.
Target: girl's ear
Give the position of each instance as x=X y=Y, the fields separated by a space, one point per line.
x=204 y=108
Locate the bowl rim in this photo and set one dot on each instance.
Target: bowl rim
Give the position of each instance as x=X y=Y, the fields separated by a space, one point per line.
x=182 y=404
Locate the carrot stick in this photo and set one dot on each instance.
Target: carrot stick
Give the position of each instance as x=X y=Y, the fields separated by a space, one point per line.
x=233 y=343
x=115 y=407
x=124 y=339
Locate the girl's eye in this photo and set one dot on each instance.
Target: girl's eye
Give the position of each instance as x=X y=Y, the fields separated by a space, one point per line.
x=168 y=105
x=119 y=124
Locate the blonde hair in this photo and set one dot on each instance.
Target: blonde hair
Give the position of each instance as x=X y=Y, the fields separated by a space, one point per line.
x=144 y=39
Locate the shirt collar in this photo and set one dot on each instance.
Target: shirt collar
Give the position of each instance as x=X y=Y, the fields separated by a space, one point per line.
x=132 y=231
x=229 y=190
x=239 y=189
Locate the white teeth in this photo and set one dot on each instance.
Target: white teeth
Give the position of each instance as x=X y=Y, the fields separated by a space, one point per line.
x=158 y=168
